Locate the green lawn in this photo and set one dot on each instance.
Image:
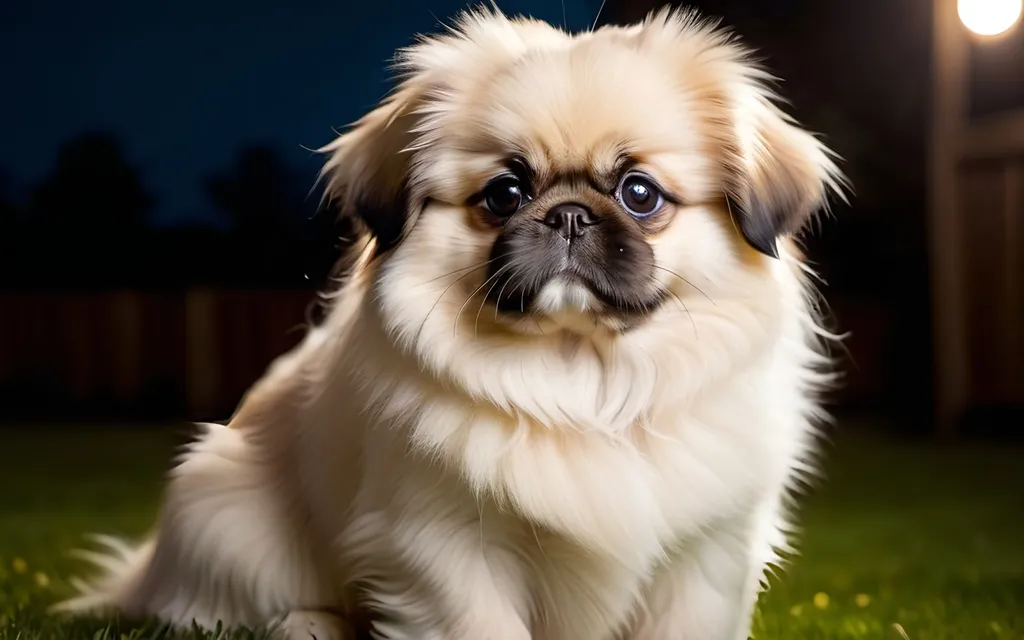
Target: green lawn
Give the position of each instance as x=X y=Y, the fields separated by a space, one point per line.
x=902 y=541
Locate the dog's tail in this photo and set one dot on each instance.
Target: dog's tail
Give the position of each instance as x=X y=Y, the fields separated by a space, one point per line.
x=123 y=567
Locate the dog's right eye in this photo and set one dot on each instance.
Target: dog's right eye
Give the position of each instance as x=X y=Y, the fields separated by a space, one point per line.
x=504 y=196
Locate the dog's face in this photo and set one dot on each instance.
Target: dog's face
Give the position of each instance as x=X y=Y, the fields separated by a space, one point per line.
x=524 y=179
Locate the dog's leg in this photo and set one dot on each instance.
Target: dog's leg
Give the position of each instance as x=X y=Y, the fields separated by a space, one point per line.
x=313 y=625
x=435 y=574
x=708 y=590
x=586 y=596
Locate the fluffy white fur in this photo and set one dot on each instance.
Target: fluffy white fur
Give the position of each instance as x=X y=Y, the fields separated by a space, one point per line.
x=464 y=478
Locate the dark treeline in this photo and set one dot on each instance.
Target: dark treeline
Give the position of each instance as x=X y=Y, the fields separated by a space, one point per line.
x=88 y=224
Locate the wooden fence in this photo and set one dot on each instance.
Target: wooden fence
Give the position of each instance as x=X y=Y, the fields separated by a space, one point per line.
x=176 y=354
x=191 y=354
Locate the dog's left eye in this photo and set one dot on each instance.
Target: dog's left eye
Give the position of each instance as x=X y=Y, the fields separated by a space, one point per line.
x=639 y=195
x=504 y=196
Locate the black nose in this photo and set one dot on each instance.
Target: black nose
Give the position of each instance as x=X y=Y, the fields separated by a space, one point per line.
x=569 y=219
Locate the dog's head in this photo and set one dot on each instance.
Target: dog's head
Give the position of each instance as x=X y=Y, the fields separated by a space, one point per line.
x=521 y=179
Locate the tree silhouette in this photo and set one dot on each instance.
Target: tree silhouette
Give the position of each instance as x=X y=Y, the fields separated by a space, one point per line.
x=92 y=190
x=11 y=228
x=258 y=194
x=260 y=197
x=10 y=214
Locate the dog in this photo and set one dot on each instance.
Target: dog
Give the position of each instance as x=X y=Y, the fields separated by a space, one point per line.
x=570 y=382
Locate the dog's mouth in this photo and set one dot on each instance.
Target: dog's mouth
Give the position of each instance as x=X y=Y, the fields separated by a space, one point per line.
x=569 y=290
x=604 y=274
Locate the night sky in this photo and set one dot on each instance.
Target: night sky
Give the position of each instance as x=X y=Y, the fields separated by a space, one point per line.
x=184 y=83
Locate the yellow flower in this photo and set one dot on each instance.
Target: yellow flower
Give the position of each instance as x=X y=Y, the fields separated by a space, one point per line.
x=42 y=579
x=821 y=600
x=862 y=600
x=19 y=565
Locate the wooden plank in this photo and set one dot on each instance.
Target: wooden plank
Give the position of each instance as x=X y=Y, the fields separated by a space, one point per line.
x=982 y=205
x=948 y=99
x=994 y=136
x=203 y=366
x=1013 y=238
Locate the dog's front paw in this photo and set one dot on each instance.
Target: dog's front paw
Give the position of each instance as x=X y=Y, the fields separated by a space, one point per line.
x=312 y=625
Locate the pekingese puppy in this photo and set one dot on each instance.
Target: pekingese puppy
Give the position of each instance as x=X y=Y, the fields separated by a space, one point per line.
x=567 y=386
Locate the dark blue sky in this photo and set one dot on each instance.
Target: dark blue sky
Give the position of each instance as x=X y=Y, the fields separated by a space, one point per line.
x=185 y=83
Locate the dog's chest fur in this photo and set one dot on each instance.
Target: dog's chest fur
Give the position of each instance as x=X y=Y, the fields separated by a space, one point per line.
x=582 y=513
x=626 y=492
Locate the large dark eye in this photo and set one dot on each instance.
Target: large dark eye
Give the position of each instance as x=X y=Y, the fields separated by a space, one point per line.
x=639 y=195
x=503 y=197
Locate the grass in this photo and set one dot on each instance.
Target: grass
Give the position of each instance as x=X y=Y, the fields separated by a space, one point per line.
x=902 y=542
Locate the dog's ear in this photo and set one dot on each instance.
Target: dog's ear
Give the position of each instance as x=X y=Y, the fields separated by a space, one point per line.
x=367 y=171
x=778 y=174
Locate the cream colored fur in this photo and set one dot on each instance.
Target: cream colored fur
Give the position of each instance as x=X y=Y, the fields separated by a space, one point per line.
x=465 y=476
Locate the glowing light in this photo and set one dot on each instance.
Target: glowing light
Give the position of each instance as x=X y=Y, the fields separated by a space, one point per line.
x=821 y=600
x=989 y=17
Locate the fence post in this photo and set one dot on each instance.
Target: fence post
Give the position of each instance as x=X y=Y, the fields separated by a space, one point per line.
x=127 y=310
x=202 y=370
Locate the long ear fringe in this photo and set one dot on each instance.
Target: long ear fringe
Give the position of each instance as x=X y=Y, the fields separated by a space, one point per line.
x=781 y=176
x=367 y=174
